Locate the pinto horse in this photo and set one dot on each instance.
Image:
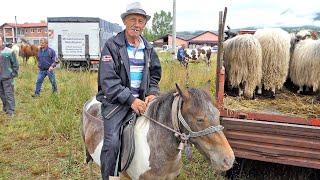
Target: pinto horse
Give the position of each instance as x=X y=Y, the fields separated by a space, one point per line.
x=157 y=156
x=27 y=51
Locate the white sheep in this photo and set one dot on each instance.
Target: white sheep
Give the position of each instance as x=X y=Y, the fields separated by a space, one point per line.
x=243 y=62
x=305 y=64
x=275 y=44
x=304 y=34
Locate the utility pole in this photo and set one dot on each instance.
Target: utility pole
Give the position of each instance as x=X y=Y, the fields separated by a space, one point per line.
x=16 y=33
x=174 y=36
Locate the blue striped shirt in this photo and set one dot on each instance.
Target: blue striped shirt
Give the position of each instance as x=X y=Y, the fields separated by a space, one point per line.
x=137 y=63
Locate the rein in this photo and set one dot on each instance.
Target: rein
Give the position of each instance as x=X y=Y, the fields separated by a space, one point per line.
x=164 y=126
x=177 y=118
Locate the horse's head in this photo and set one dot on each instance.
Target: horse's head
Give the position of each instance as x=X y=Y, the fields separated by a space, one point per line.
x=200 y=114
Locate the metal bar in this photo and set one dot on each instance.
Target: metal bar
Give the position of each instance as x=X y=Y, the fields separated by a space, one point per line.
x=174 y=34
x=270 y=117
x=220 y=90
x=276 y=150
x=219 y=85
x=218 y=55
x=224 y=19
x=309 y=163
x=277 y=139
x=291 y=144
x=293 y=130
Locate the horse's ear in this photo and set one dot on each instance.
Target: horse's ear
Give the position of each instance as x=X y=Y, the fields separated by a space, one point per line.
x=207 y=86
x=181 y=93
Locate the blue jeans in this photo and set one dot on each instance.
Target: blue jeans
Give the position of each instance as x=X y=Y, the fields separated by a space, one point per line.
x=41 y=75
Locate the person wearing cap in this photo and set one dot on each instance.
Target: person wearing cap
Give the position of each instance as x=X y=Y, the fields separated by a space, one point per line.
x=9 y=67
x=128 y=79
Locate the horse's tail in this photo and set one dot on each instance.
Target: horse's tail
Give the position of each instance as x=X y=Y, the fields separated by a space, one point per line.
x=88 y=157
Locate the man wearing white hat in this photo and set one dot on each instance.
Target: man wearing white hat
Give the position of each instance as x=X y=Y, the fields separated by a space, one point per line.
x=128 y=79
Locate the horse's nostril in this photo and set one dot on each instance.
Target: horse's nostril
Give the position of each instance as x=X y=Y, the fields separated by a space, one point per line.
x=228 y=161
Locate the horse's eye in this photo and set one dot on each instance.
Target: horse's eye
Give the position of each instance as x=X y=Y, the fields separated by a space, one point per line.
x=200 y=120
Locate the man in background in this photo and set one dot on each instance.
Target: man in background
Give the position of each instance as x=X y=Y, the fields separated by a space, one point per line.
x=8 y=70
x=47 y=61
x=181 y=55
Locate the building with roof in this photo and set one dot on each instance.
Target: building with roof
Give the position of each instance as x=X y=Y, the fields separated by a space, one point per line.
x=30 y=32
x=167 y=40
x=206 y=38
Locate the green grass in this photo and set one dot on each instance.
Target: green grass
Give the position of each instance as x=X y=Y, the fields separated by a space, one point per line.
x=197 y=75
x=42 y=141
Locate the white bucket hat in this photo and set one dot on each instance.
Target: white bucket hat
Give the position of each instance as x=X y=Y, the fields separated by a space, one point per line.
x=135 y=8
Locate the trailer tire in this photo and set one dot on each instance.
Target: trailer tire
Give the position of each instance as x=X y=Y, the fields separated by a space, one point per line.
x=65 y=64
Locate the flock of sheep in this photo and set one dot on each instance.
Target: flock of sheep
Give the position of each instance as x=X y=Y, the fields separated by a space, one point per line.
x=265 y=60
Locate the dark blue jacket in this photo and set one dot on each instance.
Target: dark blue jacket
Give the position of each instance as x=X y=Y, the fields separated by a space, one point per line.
x=114 y=75
x=46 y=58
x=9 y=65
x=181 y=54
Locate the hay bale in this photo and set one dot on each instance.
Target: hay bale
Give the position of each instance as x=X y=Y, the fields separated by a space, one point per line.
x=286 y=103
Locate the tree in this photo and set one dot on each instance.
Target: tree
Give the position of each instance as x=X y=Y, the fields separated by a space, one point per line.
x=148 y=34
x=162 y=23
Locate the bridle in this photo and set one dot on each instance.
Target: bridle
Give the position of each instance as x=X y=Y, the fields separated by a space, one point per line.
x=177 y=118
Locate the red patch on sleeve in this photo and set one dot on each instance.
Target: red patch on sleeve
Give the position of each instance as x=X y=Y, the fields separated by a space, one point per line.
x=107 y=58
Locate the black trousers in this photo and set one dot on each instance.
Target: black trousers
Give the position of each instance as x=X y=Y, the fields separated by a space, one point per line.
x=7 y=95
x=112 y=142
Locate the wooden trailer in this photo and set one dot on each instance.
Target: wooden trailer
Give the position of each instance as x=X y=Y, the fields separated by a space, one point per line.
x=276 y=138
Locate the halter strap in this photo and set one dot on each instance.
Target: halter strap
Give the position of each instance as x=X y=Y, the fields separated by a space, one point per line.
x=177 y=117
x=174 y=111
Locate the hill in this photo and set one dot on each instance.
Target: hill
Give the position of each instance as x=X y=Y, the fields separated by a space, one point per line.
x=190 y=34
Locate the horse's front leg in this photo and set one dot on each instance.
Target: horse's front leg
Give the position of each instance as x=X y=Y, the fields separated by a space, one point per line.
x=25 y=58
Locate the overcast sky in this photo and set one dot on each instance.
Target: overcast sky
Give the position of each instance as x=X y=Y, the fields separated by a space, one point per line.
x=191 y=14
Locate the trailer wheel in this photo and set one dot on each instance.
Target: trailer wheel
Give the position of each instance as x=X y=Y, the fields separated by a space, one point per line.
x=84 y=66
x=64 y=65
x=87 y=65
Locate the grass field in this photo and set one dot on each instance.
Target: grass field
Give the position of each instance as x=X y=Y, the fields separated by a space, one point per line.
x=42 y=141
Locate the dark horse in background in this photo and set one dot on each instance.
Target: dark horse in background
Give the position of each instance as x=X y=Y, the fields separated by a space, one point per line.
x=156 y=153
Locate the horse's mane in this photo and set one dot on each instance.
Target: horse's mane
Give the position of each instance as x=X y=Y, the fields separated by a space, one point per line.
x=162 y=101
x=161 y=107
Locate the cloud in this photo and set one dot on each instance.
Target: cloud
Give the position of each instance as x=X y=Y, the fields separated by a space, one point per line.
x=272 y=13
x=191 y=15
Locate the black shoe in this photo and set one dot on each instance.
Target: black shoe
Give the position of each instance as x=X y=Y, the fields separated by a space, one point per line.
x=10 y=114
x=35 y=95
